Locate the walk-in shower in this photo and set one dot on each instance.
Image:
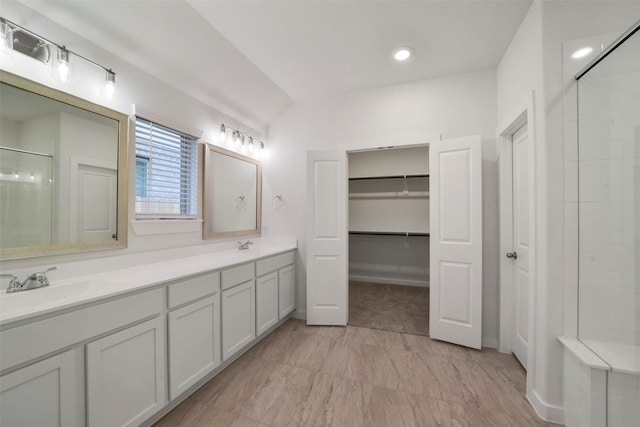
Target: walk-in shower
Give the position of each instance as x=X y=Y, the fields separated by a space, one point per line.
x=609 y=226
x=26 y=190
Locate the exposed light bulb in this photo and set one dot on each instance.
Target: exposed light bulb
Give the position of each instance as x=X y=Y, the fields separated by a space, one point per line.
x=110 y=84
x=251 y=145
x=6 y=36
x=223 y=134
x=234 y=138
x=32 y=177
x=63 y=63
x=63 y=69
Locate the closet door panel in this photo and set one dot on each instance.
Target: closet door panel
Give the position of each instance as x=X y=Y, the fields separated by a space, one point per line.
x=456 y=241
x=327 y=238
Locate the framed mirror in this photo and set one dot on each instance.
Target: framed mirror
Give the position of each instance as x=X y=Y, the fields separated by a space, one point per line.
x=232 y=194
x=63 y=172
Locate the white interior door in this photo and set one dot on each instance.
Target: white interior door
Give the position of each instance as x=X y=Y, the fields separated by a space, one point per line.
x=521 y=244
x=327 y=273
x=455 y=311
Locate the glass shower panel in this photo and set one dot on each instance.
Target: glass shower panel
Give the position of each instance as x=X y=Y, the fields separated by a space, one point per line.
x=26 y=185
x=609 y=207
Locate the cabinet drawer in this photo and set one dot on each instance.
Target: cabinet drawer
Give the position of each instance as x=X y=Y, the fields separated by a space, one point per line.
x=24 y=343
x=273 y=263
x=235 y=276
x=193 y=288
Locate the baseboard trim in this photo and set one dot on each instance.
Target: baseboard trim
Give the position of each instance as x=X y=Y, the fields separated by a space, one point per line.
x=388 y=280
x=490 y=342
x=299 y=314
x=547 y=412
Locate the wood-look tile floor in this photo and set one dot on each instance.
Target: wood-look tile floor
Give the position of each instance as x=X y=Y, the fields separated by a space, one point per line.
x=350 y=376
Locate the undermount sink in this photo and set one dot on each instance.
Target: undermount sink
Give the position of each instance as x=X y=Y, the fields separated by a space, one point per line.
x=55 y=293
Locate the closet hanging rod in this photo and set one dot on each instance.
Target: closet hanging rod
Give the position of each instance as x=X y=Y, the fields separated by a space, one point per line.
x=358 y=178
x=388 y=233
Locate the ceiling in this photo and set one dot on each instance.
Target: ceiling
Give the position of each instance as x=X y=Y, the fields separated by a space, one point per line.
x=253 y=59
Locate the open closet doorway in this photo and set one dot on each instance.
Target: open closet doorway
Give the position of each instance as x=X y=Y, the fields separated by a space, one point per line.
x=389 y=239
x=455 y=239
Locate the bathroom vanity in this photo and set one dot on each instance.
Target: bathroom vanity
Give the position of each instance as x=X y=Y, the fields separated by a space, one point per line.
x=123 y=347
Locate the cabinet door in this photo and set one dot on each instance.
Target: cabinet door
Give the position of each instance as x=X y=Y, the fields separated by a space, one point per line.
x=267 y=301
x=194 y=343
x=126 y=375
x=238 y=318
x=286 y=290
x=42 y=394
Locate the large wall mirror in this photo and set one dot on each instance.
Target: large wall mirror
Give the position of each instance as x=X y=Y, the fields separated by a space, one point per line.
x=63 y=172
x=232 y=194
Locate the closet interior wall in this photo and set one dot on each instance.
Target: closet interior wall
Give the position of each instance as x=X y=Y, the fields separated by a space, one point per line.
x=389 y=216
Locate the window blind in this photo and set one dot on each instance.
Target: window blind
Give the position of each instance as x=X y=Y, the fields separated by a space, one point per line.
x=166 y=172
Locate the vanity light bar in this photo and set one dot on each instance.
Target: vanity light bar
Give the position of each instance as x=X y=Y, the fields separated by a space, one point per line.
x=8 y=28
x=240 y=138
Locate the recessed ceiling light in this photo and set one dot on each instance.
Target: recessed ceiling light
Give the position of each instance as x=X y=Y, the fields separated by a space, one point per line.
x=582 y=52
x=402 y=54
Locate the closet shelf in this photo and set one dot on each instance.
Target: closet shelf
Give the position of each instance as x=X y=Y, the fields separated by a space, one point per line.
x=387 y=233
x=360 y=178
x=391 y=195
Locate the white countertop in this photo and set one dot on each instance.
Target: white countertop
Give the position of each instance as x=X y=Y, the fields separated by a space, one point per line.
x=75 y=291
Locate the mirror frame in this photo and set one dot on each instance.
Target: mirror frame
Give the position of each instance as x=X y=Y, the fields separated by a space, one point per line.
x=208 y=162
x=122 y=216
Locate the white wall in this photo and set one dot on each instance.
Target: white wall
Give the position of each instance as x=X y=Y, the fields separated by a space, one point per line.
x=519 y=73
x=405 y=114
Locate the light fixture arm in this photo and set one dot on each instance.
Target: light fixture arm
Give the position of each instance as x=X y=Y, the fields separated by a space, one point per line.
x=237 y=135
x=63 y=48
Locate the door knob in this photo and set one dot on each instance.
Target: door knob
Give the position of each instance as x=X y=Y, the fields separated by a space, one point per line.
x=513 y=255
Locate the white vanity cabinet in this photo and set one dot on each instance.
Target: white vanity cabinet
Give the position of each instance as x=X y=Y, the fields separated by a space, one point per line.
x=238 y=308
x=128 y=357
x=194 y=331
x=266 y=301
x=276 y=293
x=126 y=375
x=52 y=386
x=117 y=347
x=286 y=290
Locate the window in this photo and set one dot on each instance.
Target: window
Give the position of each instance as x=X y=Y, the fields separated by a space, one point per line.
x=166 y=172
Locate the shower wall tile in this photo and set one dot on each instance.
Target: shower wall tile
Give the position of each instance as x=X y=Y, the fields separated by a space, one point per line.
x=591 y=264
x=609 y=95
x=571 y=223
x=593 y=178
x=571 y=310
x=570 y=140
x=571 y=181
x=594 y=134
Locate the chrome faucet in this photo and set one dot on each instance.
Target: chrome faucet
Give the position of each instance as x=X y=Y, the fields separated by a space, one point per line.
x=244 y=246
x=34 y=281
